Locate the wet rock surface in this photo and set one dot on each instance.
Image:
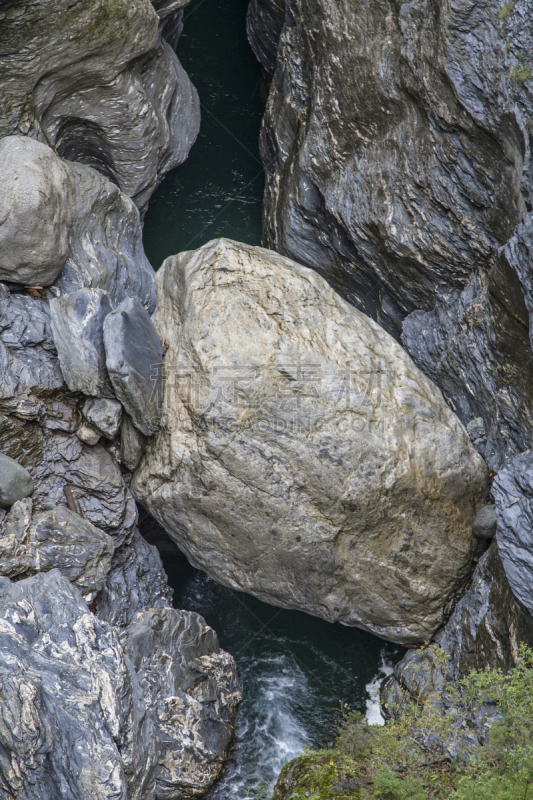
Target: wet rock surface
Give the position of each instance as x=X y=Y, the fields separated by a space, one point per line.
x=294 y=431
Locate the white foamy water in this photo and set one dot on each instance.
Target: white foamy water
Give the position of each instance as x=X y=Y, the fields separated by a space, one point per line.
x=373 y=708
x=269 y=731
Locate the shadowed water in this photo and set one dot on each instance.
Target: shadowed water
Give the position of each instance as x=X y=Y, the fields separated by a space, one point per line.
x=218 y=190
x=297 y=673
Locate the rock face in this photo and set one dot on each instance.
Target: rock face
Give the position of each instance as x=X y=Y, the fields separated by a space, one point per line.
x=93 y=712
x=134 y=361
x=64 y=222
x=303 y=458
x=513 y=492
x=484 y=631
x=396 y=143
x=55 y=539
x=78 y=329
x=98 y=84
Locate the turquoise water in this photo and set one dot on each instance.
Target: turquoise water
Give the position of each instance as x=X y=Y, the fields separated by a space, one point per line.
x=297 y=672
x=218 y=190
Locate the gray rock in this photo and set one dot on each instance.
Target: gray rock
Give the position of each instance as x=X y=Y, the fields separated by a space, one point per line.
x=36 y=209
x=415 y=230
x=476 y=428
x=55 y=539
x=292 y=429
x=97 y=235
x=513 y=493
x=103 y=712
x=65 y=77
x=484 y=525
x=132 y=444
x=484 y=631
x=474 y=344
x=193 y=702
x=104 y=415
x=15 y=481
x=77 y=326
x=136 y=581
x=134 y=360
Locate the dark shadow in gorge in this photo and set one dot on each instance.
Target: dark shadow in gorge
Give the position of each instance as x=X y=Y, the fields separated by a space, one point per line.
x=219 y=189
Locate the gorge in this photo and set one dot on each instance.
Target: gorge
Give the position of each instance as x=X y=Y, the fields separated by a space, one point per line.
x=332 y=428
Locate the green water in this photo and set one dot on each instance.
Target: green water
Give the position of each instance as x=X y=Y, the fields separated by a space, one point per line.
x=297 y=672
x=218 y=190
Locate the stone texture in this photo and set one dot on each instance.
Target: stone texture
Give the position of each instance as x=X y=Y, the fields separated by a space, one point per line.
x=191 y=704
x=88 y=435
x=66 y=223
x=484 y=631
x=484 y=525
x=411 y=230
x=134 y=361
x=15 y=481
x=135 y=581
x=104 y=415
x=85 y=714
x=77 y=326
x=302 y=457
x=264 y=23
x=100 y=86
x=513 y=492
x=36 y=206
x=55 y=539
x=132 y=443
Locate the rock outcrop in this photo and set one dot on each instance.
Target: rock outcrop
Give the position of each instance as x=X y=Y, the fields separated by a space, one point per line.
x=396 y=142
x=91 y=711
x=303 y=457
x=99 y=84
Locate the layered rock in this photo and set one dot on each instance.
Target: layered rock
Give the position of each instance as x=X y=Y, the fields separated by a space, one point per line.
x=99 y=84
x=93 y=713
x=303 y=457
x=396 y=142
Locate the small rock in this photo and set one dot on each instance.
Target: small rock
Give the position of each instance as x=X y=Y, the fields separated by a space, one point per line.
x=15 y=482
x=484 y=525
x=134 y=360
x=103 y=415
x=476 y=427
x=132 y=444
x=88 y=435
x=49 y=506
x=77 y=327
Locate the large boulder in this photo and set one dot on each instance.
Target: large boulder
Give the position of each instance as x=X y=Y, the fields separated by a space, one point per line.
x=66 y=224
x=302 y=456
x=36 y=206
x=98 y=84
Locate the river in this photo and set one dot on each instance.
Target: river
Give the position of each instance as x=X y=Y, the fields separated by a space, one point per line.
x=297 y=672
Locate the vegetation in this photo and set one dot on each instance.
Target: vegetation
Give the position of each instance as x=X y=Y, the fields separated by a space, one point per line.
x=505 y=10
x=408 y=759
x=520 y=73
